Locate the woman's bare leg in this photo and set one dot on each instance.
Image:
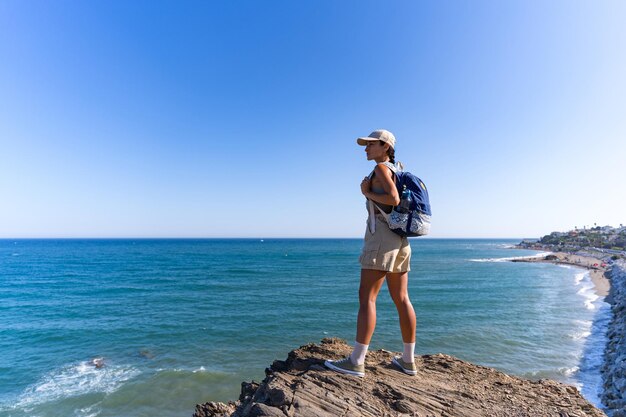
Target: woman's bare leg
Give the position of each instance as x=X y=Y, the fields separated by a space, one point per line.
x=398 y=289
x=371 y=281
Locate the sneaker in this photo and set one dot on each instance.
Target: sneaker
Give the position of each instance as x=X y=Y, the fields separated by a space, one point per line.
x=345 y=366
x=406 y=367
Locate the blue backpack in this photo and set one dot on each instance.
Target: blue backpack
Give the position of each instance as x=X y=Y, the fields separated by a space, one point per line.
x=413 y=194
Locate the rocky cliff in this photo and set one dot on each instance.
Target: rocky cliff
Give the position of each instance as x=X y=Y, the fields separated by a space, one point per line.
x=444 y=386
x=614 y=368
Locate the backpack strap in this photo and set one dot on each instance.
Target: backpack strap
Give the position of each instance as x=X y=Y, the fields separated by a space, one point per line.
x=391 y=166
x=373 y=206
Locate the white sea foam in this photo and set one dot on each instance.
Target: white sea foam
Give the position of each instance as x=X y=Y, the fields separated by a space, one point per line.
x=92 y=411
x=503 y=245
x=589 y=376
x=569 y=372
x=73 y=380
x=507 y=259
x=583 y=329
x=200 y=369
x=593 y=333
x=581 y=335
x=587 y=289
x=579 y=277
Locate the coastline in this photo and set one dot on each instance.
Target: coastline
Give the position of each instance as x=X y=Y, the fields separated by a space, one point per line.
x=598 y=269
x=609 y=279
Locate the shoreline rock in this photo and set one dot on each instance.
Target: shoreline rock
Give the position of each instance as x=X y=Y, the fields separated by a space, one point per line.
x=614 y=367
x=444 y=386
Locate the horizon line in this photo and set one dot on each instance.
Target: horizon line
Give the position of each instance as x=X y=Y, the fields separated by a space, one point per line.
x=234 y=237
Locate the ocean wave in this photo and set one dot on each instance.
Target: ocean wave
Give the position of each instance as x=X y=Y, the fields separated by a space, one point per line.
x=182 y=370
x=91 y=411
x=580 y=335
x=73 y=380
x=569 y=372
x=589 y=375
x=507 y=259
x=579 y=277
x=564 y=374
x=592 y=333
x=587 y=290
x=583 y=329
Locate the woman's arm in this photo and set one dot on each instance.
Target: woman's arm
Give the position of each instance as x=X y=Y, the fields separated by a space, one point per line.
x=390 y=197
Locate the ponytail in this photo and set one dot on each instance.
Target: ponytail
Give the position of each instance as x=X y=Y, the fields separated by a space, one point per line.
x=391 y=153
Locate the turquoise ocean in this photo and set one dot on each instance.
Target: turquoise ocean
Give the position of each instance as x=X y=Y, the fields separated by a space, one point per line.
x=179 y=322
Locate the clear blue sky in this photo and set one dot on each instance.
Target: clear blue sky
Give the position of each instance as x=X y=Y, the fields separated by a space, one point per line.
x=239 y=118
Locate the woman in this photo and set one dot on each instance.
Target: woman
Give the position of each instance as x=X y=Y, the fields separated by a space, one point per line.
x=385 y=254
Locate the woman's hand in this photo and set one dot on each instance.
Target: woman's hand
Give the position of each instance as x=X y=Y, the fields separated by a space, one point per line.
x=366 y=186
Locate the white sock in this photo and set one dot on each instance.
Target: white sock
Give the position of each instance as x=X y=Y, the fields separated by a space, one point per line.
x=358 y=354
x=409 y=352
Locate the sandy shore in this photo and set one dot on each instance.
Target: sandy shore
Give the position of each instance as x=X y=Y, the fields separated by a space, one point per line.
x=596 y=267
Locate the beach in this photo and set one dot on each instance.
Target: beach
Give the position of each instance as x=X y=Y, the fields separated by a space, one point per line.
x=597 y=267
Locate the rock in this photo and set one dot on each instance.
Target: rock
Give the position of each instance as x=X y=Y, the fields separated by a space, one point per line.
x=614 y=367
x=247 y=390
x=215 y=409
x=259 y=410
x=301 y=386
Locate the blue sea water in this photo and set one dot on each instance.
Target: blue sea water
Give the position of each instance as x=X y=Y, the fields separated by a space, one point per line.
x=180 y=322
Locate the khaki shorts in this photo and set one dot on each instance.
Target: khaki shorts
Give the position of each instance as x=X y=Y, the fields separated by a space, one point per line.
x=384 y=250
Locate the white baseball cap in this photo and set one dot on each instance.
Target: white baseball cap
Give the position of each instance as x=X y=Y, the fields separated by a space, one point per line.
x=382 y=134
